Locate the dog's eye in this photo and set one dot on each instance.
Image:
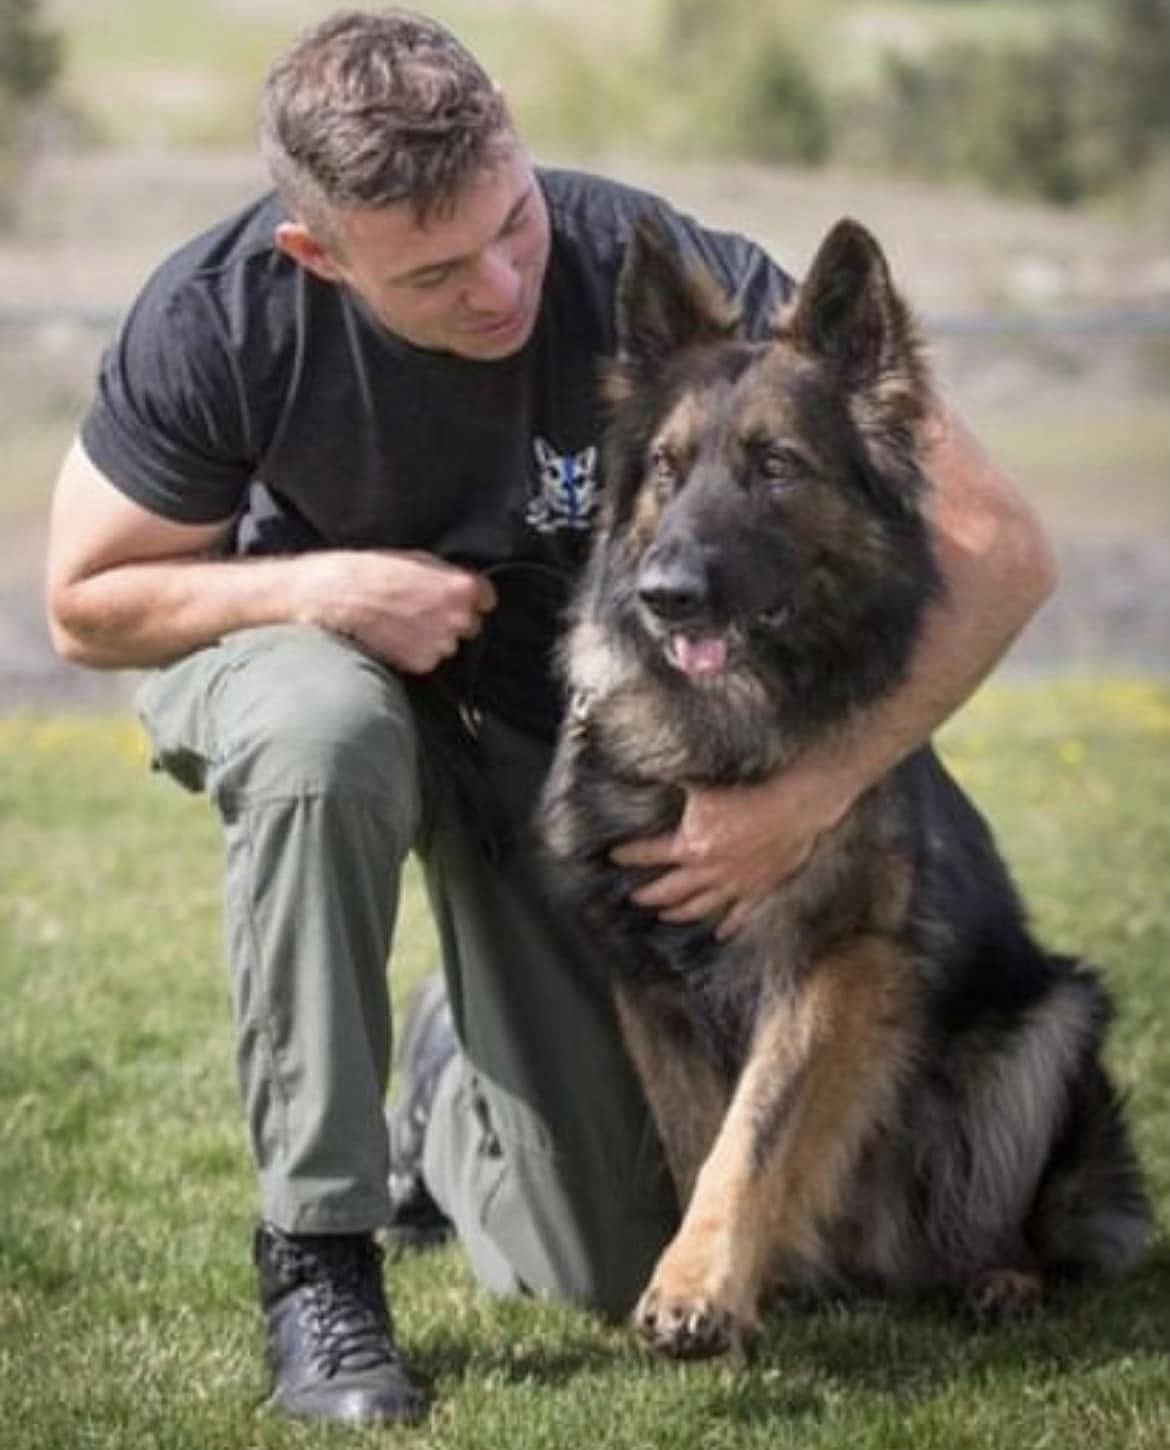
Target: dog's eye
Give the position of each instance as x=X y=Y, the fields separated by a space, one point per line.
x=782 y=467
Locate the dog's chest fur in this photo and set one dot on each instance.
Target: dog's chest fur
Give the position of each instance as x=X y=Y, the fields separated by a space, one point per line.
x=634 y=741
x=650 y=727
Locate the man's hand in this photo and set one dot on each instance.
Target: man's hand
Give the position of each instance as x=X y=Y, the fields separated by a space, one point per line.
x=735 y=844
x=411 y=610
x=126 y=588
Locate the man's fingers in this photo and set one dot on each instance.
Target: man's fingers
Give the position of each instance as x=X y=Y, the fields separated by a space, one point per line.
x=485 y=594
x=670 y=890
x=650 y=851
x=481 y=603
x=734 y=921
x=699 y=907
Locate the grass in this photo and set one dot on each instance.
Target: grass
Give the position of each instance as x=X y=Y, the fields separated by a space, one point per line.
x=126 y=1301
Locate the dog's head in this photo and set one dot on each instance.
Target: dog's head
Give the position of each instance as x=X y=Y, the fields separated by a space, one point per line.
x=765 y=497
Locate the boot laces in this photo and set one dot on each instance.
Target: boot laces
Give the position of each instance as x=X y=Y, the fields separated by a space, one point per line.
x=344 y=1308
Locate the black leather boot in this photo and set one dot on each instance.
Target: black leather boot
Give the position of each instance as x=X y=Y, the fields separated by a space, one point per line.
x=330 y=1336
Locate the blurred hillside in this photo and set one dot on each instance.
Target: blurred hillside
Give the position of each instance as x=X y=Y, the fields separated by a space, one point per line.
x=1064 y=99
x=1050 y=323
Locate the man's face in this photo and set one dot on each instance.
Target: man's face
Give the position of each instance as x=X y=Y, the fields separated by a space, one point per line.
x=468 y=282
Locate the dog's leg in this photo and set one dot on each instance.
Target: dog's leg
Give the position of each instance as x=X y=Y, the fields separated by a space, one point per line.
x=1092 y=1215
x=688 y=1095
x=824 y=1067
x=1032 y=1174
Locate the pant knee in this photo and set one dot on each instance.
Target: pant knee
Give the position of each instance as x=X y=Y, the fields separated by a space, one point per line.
x=304 y=713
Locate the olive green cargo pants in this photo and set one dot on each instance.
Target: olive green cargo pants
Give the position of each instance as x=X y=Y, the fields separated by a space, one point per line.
x=540 y=1146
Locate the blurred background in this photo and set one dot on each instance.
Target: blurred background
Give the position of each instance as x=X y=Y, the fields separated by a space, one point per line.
x=1014 y=159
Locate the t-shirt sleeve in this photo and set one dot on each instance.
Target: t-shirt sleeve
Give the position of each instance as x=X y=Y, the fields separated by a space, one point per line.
x=168 y=425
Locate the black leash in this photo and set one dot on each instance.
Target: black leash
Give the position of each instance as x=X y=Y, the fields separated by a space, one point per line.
x=447 y=701
x=473 y=650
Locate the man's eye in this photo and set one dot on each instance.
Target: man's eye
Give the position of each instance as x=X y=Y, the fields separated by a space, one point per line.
x=428 y=281
x=515 y=221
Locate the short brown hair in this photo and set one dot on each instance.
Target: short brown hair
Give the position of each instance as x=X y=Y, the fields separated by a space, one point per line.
x=373 y=107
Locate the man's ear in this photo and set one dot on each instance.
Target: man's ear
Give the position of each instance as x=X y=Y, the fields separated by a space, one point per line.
x=295 y=240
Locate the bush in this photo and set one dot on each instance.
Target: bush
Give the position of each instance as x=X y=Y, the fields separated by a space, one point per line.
x=30 y=55
x=1065 y=120
x=1137 y=76
x=30 y=59
x=741 y=82
x=1017 y=120
x=775 y=110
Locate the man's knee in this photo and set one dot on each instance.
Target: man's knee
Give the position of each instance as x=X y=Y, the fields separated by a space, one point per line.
x=301 y=712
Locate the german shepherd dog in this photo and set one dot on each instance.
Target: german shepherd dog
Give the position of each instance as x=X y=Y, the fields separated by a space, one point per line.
x=882 y=1084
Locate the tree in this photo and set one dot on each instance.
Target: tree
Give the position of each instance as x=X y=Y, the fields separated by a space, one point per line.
x=30 y=59
x=1139 y=76
x=744 y=77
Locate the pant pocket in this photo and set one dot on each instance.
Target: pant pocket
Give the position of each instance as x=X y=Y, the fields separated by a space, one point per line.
x=171 y=705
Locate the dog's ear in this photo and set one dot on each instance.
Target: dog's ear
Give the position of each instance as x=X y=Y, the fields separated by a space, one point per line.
x=847 y=311
x=665 y=304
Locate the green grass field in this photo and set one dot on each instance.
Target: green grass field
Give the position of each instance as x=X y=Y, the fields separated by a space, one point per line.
x=126 y=1298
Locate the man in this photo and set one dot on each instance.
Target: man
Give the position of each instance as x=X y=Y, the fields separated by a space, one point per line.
x=341 y=464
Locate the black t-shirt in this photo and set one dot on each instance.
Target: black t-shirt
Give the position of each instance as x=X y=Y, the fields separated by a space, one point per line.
x=242 y=387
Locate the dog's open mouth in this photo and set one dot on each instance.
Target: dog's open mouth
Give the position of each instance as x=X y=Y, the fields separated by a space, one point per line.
x=705 y=652
x=697 y=654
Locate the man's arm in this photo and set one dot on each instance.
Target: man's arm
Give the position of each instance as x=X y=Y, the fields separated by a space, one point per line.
x=126 y=588
x=733 y=845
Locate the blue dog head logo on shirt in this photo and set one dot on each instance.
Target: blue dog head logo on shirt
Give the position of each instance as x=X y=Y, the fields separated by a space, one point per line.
x=568 y=493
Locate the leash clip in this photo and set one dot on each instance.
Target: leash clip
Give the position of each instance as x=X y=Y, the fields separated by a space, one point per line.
x=470 y=717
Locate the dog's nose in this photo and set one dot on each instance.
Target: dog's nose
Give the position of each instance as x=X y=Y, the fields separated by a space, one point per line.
x=674 y=589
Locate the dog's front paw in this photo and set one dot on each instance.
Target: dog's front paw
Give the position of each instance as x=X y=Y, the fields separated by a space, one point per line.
x=696 y=1305
x=697 y=1328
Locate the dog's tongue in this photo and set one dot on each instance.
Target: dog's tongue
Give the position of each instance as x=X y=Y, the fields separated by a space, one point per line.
x=698 y=654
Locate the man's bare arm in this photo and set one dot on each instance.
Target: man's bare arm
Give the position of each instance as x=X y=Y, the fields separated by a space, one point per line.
x=998 y=569
x=126 y=588
x=735 y=844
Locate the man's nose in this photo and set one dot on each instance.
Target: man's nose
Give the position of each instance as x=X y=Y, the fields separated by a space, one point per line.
x=495 y=284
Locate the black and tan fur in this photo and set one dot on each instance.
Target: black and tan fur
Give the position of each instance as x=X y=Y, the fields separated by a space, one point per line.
x=883 y=1083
